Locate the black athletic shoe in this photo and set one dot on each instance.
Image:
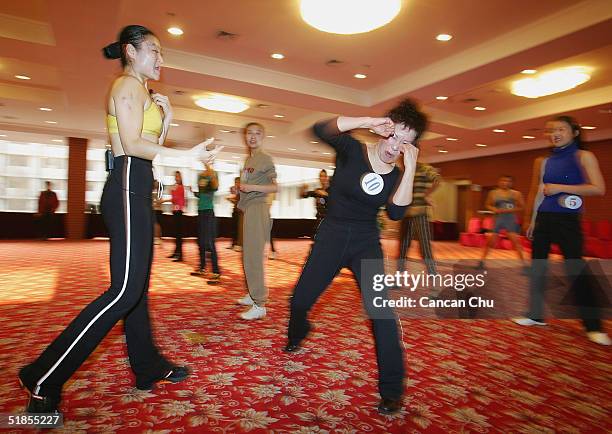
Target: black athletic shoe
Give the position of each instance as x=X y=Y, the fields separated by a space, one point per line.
x=38 y=404
x=42 y=404
x=291 y=348
x=175 y=375
x=389 y=406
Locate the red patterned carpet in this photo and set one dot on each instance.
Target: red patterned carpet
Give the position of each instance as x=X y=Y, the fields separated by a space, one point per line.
x=463 y=376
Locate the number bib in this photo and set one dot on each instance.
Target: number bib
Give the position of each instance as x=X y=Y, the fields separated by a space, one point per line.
x=372 y=183
x=570 y=201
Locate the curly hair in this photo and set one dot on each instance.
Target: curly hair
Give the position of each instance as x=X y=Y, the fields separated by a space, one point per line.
x=407 y=112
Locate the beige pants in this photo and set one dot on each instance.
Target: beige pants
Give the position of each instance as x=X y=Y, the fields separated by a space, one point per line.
x=256 y=232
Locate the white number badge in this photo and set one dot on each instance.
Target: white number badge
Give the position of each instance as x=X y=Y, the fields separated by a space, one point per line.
x=570 y=201
x=372 y=183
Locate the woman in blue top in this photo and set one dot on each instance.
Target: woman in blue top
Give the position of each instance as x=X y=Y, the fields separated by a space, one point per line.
x=562 y=179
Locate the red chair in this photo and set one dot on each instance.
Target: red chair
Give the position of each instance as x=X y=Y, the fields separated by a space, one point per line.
x=603 y=230
x=470 y=238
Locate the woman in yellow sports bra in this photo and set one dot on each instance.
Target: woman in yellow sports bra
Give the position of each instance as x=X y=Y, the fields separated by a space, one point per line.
x=137 y=125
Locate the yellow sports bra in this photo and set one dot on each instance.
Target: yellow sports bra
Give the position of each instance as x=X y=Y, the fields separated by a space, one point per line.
x=151 y=121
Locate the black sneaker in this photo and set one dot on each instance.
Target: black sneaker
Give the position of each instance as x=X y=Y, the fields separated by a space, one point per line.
x=38 y=404
x=200 y=272
x=389 y=406
x=214 y=279
x=175 y=375
x=42 y=404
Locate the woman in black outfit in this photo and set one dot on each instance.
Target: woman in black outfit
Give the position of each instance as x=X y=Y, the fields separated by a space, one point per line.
x=366 y=178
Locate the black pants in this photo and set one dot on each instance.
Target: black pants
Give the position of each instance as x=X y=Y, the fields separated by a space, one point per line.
x=565 y=230
x=272 y=249
x=337 y=245
x=236 y=226
x=178 y=227
x=417 y=225
x=46 y=222
x=207 y=233
x=126 y=208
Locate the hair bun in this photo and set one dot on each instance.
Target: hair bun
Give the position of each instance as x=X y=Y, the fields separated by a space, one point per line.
x=112 y=51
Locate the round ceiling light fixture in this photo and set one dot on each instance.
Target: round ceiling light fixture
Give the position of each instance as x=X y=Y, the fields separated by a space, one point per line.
x=349 y=17
x=222 y=103
x=551 y=82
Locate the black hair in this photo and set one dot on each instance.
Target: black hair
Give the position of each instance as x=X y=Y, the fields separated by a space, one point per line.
x=132 y=34
x=574 y=125
x=407 y=112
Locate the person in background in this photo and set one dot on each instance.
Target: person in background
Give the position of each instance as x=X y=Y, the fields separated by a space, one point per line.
x=506 y=203
x=208 y=184
x=257 y=182
x=233 y=197
x=47 y=205
x=178 y=205
x=320 y=195
x=158 y=212
x=416 y=222
x=272 y=254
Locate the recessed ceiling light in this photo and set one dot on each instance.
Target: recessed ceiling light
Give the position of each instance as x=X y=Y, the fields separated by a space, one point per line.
x=348 y=17
x=326 y=153
x=174 y=125
x=444 y=37
x=222 y=103
x=278 y=56
x=292 y=149
x=551 y=82
x=360 y=76
x=481 y=145
x=271 y=137
x=22 y=77
x=57 y=141
x=313 y=141
x=451 y=139
x=586 y=127
x=441 y=98
x=279 y=116
x=332 y=167
x=528 y=137
x=498 y=130
x=224 y=131
x=528 y=71
x=51 y=122
x=176 y=31
x=480 y=109
x=2 y=135
x=45 y=109
x=442 y=151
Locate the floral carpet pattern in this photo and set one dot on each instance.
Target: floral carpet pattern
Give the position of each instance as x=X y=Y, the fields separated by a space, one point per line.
x=482 y=376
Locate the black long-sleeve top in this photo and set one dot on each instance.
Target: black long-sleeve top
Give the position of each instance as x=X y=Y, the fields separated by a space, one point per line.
x=349 y=199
